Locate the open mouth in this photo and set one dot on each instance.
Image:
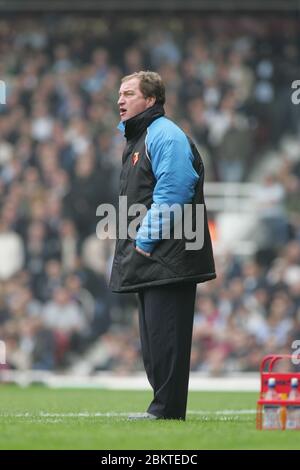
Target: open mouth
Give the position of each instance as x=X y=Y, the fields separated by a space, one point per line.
x=122 y=111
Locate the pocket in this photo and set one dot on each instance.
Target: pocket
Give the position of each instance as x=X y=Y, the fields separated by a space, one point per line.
x=143 y=257
x=166 y=264
x=136 y=268
x=170 y=253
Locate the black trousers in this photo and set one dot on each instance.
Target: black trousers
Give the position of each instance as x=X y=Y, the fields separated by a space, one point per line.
x=166 y=316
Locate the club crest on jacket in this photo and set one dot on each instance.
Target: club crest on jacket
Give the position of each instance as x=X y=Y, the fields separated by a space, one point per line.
x=135 y=158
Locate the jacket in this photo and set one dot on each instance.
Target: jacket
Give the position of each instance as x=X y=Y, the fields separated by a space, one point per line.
x=160 y=165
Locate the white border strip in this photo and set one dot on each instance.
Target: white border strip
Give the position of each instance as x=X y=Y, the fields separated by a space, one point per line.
x=110 y=381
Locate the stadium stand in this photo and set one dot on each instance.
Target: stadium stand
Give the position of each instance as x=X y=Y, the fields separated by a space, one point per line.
x=228 y=85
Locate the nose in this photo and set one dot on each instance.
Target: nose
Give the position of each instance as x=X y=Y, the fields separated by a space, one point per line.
x=121 y=100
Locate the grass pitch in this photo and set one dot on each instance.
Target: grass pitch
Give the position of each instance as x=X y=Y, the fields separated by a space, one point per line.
x=41 y=418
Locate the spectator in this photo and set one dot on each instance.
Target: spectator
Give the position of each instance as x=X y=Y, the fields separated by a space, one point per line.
x=11 y=252
x=59 y=159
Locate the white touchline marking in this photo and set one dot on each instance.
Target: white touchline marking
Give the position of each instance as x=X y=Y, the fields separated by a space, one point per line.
x=223 y=412
x=43 y=414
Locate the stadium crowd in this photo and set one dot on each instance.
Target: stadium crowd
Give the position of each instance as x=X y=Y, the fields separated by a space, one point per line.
x=228 y=85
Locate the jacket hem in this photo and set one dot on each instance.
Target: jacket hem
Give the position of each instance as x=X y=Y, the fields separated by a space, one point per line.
x=136 y=287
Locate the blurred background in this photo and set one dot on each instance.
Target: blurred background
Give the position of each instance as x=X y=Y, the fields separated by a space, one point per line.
x=228 y=79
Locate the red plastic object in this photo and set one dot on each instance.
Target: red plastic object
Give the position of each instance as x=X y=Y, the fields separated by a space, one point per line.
x=283 y=386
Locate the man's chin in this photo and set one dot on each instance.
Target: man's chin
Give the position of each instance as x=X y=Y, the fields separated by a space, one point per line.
x=127 y=116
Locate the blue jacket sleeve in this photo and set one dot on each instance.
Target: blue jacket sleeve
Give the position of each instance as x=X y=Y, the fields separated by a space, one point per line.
x=176 y=178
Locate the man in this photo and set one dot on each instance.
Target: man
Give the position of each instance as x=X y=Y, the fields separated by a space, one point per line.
x=160 y=166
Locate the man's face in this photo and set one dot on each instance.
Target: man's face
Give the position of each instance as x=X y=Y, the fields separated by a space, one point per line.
x=131 y=100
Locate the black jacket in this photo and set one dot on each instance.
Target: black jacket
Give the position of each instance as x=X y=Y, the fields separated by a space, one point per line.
x=170 y=262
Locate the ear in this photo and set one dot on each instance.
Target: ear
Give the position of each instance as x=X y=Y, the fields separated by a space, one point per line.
x=150 y=101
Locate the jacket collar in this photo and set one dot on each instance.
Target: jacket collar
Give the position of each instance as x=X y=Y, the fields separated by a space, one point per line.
x=136 y=125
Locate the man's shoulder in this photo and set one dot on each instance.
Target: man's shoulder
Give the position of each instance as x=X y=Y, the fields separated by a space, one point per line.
x=165 y=129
